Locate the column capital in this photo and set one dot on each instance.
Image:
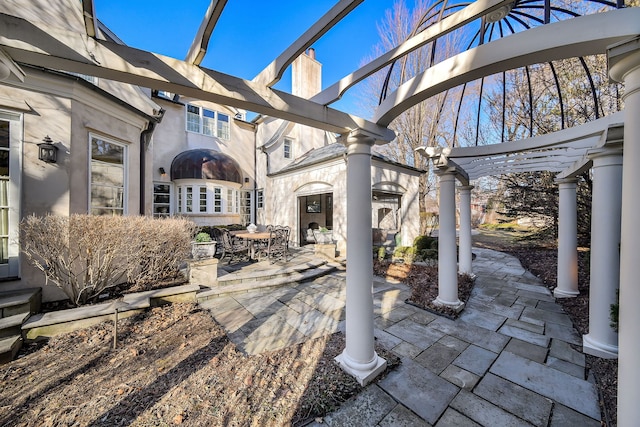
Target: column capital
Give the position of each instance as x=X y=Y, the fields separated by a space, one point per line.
x=567 y=181
x=446 y=171
x=607 y=155
x=623 y=57
x=358 y=136
x=466 y=187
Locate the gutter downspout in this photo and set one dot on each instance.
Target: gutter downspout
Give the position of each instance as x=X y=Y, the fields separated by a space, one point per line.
x=145 y=140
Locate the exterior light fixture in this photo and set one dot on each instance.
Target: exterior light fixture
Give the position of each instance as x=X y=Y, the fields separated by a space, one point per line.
x=162 y=171
x=246 y=180
x=47 y=152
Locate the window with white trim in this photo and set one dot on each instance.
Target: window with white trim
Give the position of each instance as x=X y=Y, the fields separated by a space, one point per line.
x=259 y=199
x=287 y=147
x=161 y=200
x=107 y=177
x=207 y=199
x=207 y=122
x=230 y=200
x=217 y=200
x=245 y=207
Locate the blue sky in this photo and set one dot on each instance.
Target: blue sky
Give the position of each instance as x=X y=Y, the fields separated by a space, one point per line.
x=250 y=34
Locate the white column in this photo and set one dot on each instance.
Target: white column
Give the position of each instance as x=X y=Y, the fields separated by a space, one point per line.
x=567 y=283
x=624 y=66
x=447 y=265
x=359 y=357
x=464 y=238
x=606 y=204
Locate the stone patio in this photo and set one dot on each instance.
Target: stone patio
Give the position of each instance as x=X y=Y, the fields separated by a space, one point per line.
x=511 y=359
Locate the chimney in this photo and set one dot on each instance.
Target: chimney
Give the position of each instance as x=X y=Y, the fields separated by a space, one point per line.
x=306 y=75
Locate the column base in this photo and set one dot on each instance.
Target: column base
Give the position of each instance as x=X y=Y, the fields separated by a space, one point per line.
x=598 y=349
x=363 y=373
x=560 y=293
x=457 y=306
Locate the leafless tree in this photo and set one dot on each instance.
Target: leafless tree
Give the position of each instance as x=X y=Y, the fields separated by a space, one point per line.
x=421 y=125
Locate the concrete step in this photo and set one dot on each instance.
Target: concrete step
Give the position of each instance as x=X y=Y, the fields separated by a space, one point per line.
x=268 y=273
x=12 y=325
x=9 y=347
x=296 y=276
x=44 y=325
x=20 y=301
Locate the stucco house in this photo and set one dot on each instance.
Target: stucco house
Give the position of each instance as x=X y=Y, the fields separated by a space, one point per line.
x=212 y=165
x=126 y=150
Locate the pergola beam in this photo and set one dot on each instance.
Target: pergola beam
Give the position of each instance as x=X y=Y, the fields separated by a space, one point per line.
x=198 y=48
x=595 y=128
x=472 y=12
x=274 y=71
x=71 y=51
x=559 y=40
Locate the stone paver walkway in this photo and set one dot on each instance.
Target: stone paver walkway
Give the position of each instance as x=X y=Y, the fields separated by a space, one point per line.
x=512 y=358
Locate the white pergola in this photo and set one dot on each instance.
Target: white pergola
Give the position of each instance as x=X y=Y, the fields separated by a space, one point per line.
x=598 y=145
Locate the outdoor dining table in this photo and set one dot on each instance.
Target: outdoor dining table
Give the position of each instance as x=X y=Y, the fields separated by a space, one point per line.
x=252 y=238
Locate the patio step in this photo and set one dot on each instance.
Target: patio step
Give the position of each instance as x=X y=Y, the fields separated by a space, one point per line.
x=12 y=325
x=16 y=306
x=45 y=325
x=269 y=279
x=9 y=347
x=20 y=301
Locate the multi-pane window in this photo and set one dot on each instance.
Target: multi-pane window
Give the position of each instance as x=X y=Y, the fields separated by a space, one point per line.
x=245 y=207
x=107 y=177
x=287 y=147
x=223 y=126
x=260 y=199
x=230 y=200
x=193 y=118
x=217 y=200
x=189 y=199
x=161 y=200
x=202 y=199
x=4 y=192
x=207 y=122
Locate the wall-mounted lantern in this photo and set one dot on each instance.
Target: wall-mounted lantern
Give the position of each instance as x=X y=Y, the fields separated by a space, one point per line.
x=47 y=152
x=162 y=171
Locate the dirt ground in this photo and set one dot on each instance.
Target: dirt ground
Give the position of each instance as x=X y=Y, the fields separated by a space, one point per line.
x=174 y=365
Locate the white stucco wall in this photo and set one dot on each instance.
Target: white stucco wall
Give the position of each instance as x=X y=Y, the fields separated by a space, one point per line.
x=68 y=111
x=171 y=138
x=283 y=190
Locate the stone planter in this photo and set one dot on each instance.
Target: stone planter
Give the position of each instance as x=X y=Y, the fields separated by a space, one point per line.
x=323 y=237
x=203 y=250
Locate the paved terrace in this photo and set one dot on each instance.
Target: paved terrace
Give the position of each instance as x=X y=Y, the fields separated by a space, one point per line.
x=512 y=358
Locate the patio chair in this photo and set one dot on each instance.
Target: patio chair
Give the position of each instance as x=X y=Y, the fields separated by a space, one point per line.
x=278 y=244
x=232 y=247
x=307 y=236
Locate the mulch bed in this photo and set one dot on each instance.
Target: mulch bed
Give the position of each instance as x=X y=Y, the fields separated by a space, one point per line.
x=423 y=281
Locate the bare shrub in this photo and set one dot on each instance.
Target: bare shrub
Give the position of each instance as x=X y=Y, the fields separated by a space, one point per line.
x=84 y=255
x=163 y=245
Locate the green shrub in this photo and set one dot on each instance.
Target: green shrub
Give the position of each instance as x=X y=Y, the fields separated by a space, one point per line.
x=429 y=254
x=203 y=237
x=422 y=242
x=405 y=253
